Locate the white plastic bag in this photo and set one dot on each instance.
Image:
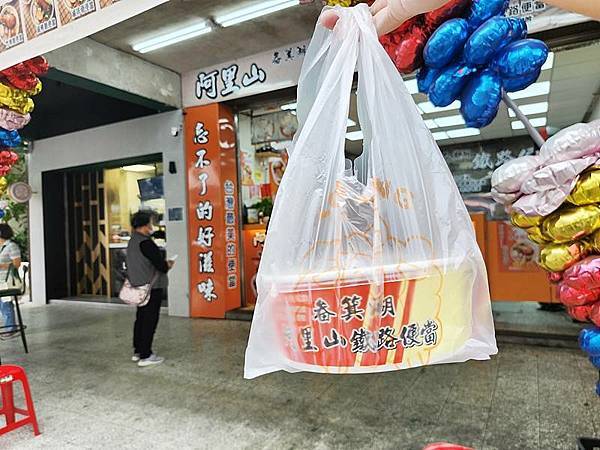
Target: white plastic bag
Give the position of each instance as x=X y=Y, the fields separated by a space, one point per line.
x=369 y=275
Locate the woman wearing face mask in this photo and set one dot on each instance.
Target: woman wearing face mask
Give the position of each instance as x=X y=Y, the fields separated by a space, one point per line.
x=390 y=14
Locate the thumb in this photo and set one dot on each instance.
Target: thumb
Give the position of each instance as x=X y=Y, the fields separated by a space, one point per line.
x=329 y=19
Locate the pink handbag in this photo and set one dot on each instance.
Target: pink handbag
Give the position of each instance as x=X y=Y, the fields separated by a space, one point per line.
x=137 y=296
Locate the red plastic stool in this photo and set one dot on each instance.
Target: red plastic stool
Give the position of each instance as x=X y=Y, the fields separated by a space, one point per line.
x=8 y=375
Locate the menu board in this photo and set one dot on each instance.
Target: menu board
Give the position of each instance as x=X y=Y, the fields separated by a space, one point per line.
x=32 y=27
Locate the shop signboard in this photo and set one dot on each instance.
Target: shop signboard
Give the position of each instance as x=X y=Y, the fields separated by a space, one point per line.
x=210 y=146
x=32 y=27
x=268 y=71
x=541 y=16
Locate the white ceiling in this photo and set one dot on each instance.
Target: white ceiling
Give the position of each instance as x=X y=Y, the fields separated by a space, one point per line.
x=222 y=45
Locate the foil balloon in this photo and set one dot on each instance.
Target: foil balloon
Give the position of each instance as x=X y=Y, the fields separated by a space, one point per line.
x=491 y=37
x=405 y=45
x=589 y=341
x=482 y=10
x=481 y=98
x=20 y=77
x=3 y=185
x=12 y=120
x=446 y=43
x=425 y=78
x=519 y=83
x=587 y=189
x=570 y=224
x=595 y=360
x=449 y=84
x=571 y=296
x=535 y=235
x=522 y=221
x=522 y=58
x=9 y=138
x=505 y=198
x=576 y=141
x=38 y=65
x=580 y=313
x=584 y=274
x=2 y=213
x=510 y=176
x=559 y=257
x=452 y=9
x=15 y=99
x=595 y=314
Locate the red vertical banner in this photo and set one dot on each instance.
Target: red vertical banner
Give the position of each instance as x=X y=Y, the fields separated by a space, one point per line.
x=210 y=147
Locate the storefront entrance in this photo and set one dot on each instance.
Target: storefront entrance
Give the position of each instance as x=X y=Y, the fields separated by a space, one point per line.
x=89 y=215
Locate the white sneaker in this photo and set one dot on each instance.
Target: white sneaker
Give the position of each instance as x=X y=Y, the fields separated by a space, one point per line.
x=136 y=357
x=153 y=360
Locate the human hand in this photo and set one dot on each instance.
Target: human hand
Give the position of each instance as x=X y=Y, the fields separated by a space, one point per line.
x=389 y=14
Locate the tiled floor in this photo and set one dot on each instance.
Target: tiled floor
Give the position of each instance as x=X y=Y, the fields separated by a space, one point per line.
x=89 y=395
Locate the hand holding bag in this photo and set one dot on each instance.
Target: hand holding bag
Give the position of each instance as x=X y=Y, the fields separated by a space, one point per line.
x=375 y=269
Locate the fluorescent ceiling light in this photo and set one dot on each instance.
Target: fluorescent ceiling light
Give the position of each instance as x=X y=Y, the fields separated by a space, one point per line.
x=429 y=108
x=442 y=135
x=289 y=106
x=355 y=135
x=174 y=37
x=254 y=11
x=449 y=121
x=431 y=124
x=463 y=132
x=535 y=90
x=549 y=62
x=539 y=122
x=412 y=86
x=530 y=109
x=139 y=168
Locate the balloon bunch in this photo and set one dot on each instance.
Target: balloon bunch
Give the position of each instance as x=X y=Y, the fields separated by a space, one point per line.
x=17 y=85
x=473 y=59
x=555 y=197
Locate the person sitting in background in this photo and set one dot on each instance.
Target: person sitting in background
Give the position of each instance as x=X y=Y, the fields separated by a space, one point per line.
x=145 y=264
x=10 y=254
x=390 y=14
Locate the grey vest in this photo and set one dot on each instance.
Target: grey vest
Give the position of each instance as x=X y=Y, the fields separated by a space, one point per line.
x=139 y=268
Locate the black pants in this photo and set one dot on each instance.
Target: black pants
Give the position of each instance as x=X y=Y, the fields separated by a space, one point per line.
x=146 y=320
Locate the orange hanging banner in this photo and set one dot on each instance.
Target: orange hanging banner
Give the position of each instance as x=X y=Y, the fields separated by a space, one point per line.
x=210 y=147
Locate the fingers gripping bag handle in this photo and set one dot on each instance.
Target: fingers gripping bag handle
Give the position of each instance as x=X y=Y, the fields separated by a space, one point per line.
x=372 y=273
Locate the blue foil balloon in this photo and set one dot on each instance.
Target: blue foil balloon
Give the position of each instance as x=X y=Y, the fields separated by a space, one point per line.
x=522 y=58
x=491 y=37
x=589 y=341
x=425 y=78
x=482 y=10
x=446 y=43
x=598 y=388
x=9 y=138
x=2 y=213
x=520 y=83
x=481 y=99
x=449 y=84
x=595 y=360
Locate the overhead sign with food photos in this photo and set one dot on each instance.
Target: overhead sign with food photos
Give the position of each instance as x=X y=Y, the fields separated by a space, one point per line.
x=30 y=28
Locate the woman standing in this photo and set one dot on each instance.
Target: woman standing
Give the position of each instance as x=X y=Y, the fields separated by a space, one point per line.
x=10 y=254
x=145 y=264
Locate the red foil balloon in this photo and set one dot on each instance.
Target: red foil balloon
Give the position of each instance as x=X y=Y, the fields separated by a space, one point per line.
x=595 y=314
x=571 y=296
x=20 y=77
x=451 y=10
x=581 y=283
x=38 y=65
x=580 y=313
